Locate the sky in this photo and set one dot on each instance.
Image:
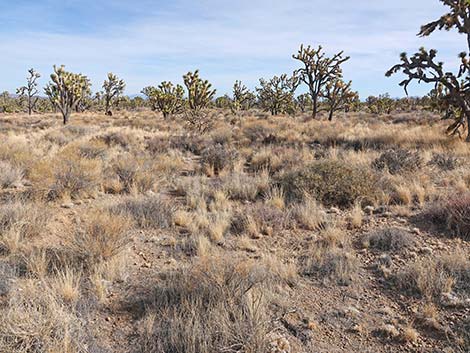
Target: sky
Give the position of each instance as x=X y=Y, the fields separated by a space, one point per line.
x=146 y=42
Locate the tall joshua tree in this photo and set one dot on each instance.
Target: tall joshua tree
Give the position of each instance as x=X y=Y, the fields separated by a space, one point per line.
x=113 y=88
x=318 y=70
x=30 y=91
x=424 y=67
x=65 y=90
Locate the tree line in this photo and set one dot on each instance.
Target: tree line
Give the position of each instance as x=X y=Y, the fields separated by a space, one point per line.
x=320 y=75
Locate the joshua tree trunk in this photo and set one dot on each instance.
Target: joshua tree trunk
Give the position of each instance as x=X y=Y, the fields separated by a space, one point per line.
x=467 y=117
x=330 y=116
x=314 y=107
x=66 y=116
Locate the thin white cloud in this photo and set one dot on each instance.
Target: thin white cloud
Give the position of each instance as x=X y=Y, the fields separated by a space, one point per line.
x=228 y=41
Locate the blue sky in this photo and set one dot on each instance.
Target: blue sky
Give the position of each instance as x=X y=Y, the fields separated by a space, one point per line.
x=146 y=42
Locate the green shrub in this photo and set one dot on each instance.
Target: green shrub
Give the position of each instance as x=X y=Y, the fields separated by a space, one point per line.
x=332 y=182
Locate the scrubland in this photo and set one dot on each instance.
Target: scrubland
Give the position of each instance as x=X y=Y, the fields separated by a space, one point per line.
x=266 y=234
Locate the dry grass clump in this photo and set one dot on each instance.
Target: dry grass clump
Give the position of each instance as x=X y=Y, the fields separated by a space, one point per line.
x=16 y=150
x=454 y=213
x=433 y=276
x=147 y=211
x=309 y=214
x=10 y=175
x=217 y=158
x=332 y=182
x=66 y=176
x=215 y=305
x=388 y=239
x=35 y=320
x=130 y=174
x=92 y=149
x=20 y=222
x=330 y=257
x=245 y=187
x=119 y=138
x=336 y=264
x=101 y=237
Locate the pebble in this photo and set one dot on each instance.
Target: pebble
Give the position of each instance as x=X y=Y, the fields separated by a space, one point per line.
x=67 y=205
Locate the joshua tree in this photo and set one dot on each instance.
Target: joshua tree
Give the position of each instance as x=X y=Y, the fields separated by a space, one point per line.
x=113 y=88
x=318 y=71
x=167 y=98
x=338 y=96
x=151 y=93
x=200 y=92
x=224 y=102
x=242 y=97
x=304 y=102
x=30 y=91
x=424 y=67
x=200 y=95
x=382 y=104
x=277 y=94
x=65 y=90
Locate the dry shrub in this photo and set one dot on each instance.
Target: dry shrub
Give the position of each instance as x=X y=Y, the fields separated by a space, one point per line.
x=218 y=157
x=188 y=143
x=398 y=161
x=215 y=305
x=120 y=139
x=92 y=149
x=101 y=237
x=20 y=222
x=445 y=161
x=433 y=276
x=133 y=175
x=35 y=320
x=244 y=187
x=66 y=175
x=17 y=151
x=334 y=263
x=10 y=175
x=454 y=213
x=258 y=131
x=157 y=145
x=332 y=182
x=147 y=212
x=388 y=239
x=309 y=214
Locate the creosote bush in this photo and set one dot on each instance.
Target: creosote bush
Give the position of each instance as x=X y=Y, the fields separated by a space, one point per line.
x=332 y=182
x=218 y=157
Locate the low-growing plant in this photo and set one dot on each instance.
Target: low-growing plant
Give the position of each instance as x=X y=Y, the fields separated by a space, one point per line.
x=147 y=212
x=388 y=239
x=398 y=161
x=332 y=182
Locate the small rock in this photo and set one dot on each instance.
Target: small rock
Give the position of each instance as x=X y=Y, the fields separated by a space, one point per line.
x=387 y=331
x=426 y=250
x=385 y=260
x=67 y=205
x=416 y=231
x=369 y=210
x=335 y=210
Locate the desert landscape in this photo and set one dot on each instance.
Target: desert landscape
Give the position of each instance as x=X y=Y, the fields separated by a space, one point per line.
x=294 y=217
